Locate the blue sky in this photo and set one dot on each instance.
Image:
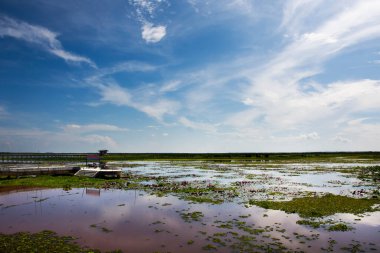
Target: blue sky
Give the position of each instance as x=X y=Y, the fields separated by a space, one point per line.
x=189 y=75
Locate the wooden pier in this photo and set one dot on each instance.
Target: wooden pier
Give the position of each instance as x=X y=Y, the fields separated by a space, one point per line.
x=78 y=164
x=24 y=170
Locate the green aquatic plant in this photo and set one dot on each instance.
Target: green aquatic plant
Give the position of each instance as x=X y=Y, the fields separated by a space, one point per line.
x=201 y=199
x=339 y=227
x=313 y=224
x=192 y=216
x=209 y=247
x=42 y=242
x=64 y=182
x=106 y=230
x=321 y=206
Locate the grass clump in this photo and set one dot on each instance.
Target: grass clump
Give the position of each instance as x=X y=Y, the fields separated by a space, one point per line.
x=44 y=241
x=209 y=247
x=65 y=182
x=197 y=199
x=320 y=206
x=313 y=224
x=339 y=227
x=192 y=216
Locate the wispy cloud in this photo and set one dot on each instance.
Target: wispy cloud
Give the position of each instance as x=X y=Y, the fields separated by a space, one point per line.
x=149 y=99
x=197 y=125
x=277 y=90
x=309 y=136
x=340 y=138
x=19 y=139
x=75 y=128
x=103 y=141
x=147 y=7
x=41 y=36
x=152 y=106
x=170 y=86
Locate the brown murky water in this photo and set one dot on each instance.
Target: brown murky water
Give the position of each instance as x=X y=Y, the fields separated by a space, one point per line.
x=135 y=221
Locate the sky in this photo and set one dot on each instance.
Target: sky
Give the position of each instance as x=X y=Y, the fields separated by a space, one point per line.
x=189 y=75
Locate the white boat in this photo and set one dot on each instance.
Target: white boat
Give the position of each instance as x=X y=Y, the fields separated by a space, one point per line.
x=98 y=172
x=97 y=168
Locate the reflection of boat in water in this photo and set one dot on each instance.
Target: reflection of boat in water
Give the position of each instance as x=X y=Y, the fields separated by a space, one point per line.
x=97 y=168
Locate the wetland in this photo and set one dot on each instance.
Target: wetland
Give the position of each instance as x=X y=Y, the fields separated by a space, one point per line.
x=179 y=205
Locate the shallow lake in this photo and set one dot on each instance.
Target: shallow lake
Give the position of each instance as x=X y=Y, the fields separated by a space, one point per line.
x=141 y=221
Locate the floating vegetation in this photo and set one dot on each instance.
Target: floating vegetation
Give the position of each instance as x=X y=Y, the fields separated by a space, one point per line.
x=209 y=247
x=45 y=241
x=103 y=229
x=321 y=206
x=209 y=198
x=64 y=182
x=313 y=224
x=192 y=216
x=106 y=230
x=339 y=227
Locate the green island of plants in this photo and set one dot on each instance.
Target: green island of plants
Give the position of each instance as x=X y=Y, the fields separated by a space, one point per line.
x=321 y=206
x=65 y=182
x=44 y=241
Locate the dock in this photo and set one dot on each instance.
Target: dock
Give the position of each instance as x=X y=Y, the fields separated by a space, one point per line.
x=82 y=164
x=25 y=170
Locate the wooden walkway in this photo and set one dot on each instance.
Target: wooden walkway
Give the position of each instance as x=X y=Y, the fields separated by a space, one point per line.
x=24 y=170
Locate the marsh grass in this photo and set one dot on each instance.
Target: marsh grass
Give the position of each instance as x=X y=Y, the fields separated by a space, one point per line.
x=321 y=206
x=192 y=216
x=65 y=182
x=339 y=227
x=44 y=241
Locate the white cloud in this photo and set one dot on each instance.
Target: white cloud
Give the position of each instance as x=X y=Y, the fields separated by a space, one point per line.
x=115 y=94
x=100 y=141
x=248 y=101
x=320 y=38
x=127 y=67
x=158 y=109
x=281 y=93
x=296 y=12
x=363 y=134
x=40 y=36
x=276 y=90
x=309 y=136
x=31 y=139
x=153 y=34
x=92 y=128
x=146 y=10
x=341 y=139
x=197 y=125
